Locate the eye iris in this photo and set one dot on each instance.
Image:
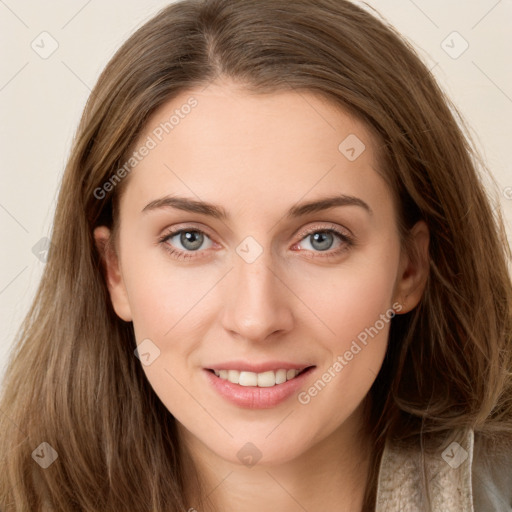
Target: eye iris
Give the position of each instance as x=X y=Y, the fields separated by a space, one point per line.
x=191 y=237
x=321 y=237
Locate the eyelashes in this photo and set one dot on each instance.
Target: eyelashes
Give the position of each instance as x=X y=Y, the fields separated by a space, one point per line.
x=195 y=238
x=182 y=254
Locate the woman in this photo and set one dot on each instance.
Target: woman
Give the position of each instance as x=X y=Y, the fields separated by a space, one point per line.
x=276 y=282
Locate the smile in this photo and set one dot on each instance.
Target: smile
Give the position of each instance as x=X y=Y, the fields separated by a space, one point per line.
x=262 y=380
x=257 y=390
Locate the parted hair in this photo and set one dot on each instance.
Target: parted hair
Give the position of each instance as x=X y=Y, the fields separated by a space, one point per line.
x=72 y=379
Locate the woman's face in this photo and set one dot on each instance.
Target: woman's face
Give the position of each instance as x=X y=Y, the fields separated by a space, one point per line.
x=229 y=260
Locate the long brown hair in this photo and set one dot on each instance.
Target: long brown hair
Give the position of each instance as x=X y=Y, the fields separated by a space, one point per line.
x=73 y=380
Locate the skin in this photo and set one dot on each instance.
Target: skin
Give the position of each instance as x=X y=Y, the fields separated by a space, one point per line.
x=256 y=156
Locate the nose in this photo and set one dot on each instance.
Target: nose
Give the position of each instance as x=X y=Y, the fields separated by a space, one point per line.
x=258 y=304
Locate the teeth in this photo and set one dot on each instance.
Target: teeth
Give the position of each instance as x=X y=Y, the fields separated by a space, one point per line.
x=280 y=376
x=233 y=376
x=262 y=380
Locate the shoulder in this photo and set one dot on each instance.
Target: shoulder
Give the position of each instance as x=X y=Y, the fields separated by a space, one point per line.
x=428 y=471
x=492 y=474
x=460 y=472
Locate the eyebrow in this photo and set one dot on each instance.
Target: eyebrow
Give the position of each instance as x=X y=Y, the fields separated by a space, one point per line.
x=218 y=212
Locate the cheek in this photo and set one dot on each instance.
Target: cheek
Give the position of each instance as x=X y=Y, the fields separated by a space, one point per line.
x=354 y=316
x=348 y=298
x=168 y=310
x=161 y=293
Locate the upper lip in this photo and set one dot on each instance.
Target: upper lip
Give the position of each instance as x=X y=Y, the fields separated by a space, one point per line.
x=258 y=367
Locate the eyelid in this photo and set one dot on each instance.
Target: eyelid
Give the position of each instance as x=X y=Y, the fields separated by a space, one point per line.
x=322 y=227
x=344 y=234
x=184 y=226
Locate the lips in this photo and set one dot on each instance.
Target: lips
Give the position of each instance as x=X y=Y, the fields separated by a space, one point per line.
x=257 y=386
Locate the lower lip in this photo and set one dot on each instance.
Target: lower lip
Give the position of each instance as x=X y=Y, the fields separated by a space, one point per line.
x=253 y=397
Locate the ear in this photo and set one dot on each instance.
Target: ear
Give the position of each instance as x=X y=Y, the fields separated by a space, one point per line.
x=114 y=278
x=414 y=268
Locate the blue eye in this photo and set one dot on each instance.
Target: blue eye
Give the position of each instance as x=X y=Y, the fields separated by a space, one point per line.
x=192 y=239
x=321 y=240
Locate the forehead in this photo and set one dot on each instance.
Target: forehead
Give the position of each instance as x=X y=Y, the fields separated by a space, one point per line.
x=225 y=143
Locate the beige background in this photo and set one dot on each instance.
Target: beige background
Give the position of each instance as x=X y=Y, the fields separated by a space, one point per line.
x=41 y=100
